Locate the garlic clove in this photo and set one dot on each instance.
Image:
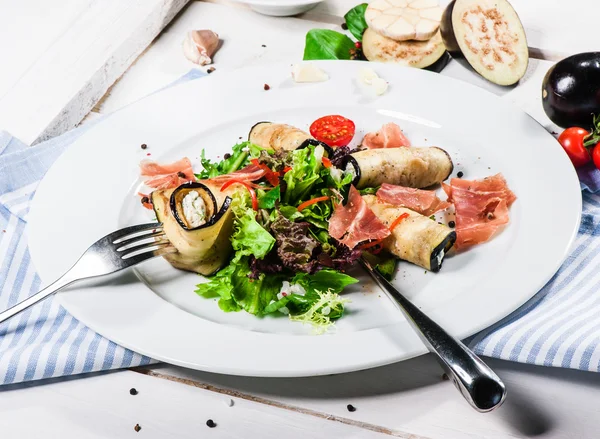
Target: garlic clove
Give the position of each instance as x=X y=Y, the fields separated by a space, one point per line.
x=200 y=45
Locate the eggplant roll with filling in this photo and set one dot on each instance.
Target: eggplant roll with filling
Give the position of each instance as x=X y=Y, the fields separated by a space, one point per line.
x=281 y=137
x=409 y=167
x=197 y=224
x=417 y=238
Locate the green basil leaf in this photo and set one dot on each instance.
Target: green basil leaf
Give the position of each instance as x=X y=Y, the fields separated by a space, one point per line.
x=327 y=44
x=355 y=20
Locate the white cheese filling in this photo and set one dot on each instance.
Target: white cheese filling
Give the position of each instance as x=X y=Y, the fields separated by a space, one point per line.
x=194 y=209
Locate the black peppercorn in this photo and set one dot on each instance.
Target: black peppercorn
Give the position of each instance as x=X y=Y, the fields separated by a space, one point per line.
x=460 y=174
x=211 y=424
x=351 y=408
x=144 y=146
x=267 y=87
x=452 y=224
x=133 y=391
x=137 y=427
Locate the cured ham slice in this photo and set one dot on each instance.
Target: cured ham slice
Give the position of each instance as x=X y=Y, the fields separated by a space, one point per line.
x=389 y=136
x=247 y=174
x=425 y=202
x=167 y=176
x=481 y=208
x=355 y=222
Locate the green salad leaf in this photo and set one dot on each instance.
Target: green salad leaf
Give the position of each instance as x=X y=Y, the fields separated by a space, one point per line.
x=249 y=237
x=355 y=20
x=267 y=200
x=237 y=291
x=306 y=164
x=327 y=44
x=237 y=159
x=324 y=280
x=325 y=307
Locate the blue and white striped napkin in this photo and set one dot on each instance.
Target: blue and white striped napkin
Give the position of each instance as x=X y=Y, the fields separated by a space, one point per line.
x=558 y=327
x=43 y=341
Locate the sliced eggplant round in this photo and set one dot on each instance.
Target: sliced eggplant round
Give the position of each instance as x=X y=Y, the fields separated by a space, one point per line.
x=419 y=54
x=202 y=248
x=487 y=36
x=571 y=90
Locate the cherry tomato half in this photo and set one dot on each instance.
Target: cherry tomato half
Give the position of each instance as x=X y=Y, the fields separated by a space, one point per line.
x=572 y=140
x=333 y=130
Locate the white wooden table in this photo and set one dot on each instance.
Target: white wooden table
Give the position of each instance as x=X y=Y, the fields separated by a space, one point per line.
x=408 y=399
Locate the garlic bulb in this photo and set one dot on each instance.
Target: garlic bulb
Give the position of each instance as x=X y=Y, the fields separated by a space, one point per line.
x=200 y=45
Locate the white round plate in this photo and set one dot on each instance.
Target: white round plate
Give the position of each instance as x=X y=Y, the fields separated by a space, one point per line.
x=281 y=8
x=91 y=191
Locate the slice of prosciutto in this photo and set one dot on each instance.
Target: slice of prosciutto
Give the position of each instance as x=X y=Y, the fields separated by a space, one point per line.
x=248 y=174
x=355 y=222
x=168 y=176
x=389 y=136
x=481 y=208
x=425 y=202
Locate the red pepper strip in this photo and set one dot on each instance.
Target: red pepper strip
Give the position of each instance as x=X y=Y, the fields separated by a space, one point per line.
x=370 y=244
x=398 y=221
x=287 y=169
x=247 y=186
x=326 y=162
x=271 y=176
x=311 y=202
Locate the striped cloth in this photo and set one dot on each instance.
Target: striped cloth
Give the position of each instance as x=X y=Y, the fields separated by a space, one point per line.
x=558 y=327
x=43 y=341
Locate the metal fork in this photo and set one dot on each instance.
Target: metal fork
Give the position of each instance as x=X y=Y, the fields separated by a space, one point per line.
x=478 y=384
x=115 y=252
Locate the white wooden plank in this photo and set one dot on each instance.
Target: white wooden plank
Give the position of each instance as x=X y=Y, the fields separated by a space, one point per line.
x=68 y=56
x=243 y=33
x=411 y=397
x=100 y=406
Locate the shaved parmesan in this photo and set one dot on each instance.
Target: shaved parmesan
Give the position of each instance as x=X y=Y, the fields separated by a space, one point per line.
x=308 y=72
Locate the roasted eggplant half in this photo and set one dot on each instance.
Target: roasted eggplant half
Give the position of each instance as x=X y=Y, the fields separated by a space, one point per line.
x=417 y=238
x=197 y=224
x=282 y=137
x=487 y=36
x=571 y=90
x=430 y=54
x=409 y=167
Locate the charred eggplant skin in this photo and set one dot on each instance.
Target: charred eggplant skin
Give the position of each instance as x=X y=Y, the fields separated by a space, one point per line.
x=571 y=90
x=435 y=262
x=195 y=185
x=315 y=142
x=439 y=65
x=449 y=38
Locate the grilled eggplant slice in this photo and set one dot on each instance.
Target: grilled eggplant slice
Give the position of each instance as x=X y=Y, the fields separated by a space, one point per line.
x=409 y=167
x=429 y=54
x=198 y=224
x=282 y=137
x=487 y=36
x=417 y=238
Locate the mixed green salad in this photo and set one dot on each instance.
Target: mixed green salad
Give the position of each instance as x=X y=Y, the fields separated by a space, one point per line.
x=284 y=259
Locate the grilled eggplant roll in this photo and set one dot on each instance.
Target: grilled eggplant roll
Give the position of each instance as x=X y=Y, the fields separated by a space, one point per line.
x=198 y=225
x=409 y=167
x=281 y=137
x=417 y=238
